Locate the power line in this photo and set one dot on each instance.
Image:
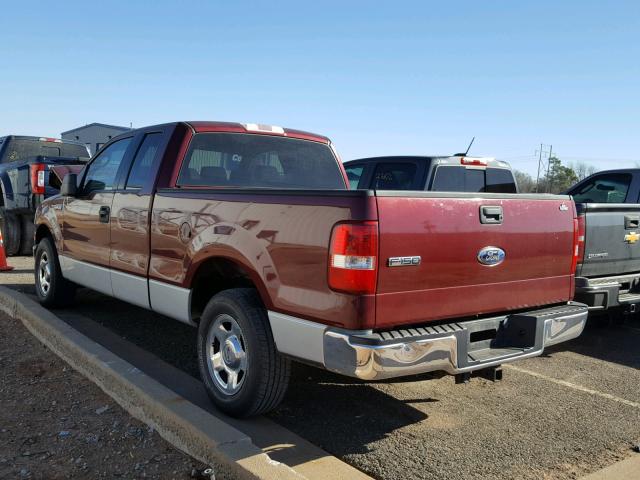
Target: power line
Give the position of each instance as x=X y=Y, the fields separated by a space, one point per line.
x=543 y=163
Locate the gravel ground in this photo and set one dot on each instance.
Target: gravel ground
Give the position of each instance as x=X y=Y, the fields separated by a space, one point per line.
x=561 y=416
x=56 y=424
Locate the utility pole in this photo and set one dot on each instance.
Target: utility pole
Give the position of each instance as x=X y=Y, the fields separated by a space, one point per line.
x=539 y=162
x=542 y=166
x=552 y=173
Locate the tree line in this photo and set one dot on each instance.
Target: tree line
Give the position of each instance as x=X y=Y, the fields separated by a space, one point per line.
x=556 y=179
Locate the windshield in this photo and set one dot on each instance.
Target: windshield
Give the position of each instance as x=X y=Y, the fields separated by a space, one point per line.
x=247 y=160
x=22 y=149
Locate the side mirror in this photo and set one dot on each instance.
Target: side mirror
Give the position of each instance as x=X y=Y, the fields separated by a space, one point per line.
x=69 y=187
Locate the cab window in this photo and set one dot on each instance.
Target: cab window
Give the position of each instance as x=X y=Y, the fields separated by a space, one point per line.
x=474 y=180
x=394 y=176
x=354 y=174
x=102 y=172
x=146 y=159
x=606 y=188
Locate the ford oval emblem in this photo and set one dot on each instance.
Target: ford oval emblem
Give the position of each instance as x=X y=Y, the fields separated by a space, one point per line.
x=491 y=256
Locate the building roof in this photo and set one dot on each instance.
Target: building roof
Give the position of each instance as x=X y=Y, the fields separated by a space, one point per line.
x=96 y=124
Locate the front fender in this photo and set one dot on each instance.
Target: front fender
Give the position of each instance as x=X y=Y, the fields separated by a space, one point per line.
x=49 y=216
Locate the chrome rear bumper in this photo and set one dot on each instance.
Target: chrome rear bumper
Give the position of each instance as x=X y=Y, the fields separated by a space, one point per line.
x=603 y=293
x=452 y=348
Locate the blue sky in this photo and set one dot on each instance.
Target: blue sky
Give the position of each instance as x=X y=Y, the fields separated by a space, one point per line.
x=394 y=78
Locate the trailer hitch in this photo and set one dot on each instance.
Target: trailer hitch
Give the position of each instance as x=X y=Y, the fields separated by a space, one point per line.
x=493 y=374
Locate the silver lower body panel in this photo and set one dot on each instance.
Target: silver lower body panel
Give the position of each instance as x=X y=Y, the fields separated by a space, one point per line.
x=452 y=348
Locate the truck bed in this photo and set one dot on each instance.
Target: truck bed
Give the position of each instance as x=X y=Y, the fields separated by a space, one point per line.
x=283 y=236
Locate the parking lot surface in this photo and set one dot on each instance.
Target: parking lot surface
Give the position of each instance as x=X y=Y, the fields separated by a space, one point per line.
x=57 y=424
x=563 y=415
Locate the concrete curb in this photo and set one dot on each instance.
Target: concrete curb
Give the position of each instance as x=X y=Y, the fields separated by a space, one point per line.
x=184 y=425
x=627 y=469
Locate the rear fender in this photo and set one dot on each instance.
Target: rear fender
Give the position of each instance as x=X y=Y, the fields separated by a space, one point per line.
x=261 y=272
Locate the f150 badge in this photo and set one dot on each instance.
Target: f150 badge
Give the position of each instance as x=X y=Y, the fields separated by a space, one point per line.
x=632 y=237
x=404 y=261
x=491 y=256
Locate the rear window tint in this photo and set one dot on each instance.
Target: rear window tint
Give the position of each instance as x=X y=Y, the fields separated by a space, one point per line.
x=500 y=180
x=394 y=176
x=263 y=161
x=22 y=149
x=473 y=180
x=605 y=188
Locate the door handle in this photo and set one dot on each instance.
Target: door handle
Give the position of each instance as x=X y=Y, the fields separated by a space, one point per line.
x=631 y=221
x=491 y=214
x=104 y=214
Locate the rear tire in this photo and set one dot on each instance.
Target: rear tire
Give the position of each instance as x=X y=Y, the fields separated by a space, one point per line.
x=242 y=371
x=10 y=227
x=51 y=287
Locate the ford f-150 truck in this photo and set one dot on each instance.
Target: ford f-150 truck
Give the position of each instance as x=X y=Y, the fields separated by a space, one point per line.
x=457 y=173
x=25 y=164
x=250 y=233
x=608 y=272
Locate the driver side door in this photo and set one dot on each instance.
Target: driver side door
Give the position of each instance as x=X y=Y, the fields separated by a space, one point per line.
x=87 y=218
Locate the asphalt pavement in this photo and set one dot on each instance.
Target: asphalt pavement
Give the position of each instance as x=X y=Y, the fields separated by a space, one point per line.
x=568 y=413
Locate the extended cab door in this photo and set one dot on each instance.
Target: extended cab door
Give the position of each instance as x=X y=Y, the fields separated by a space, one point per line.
x=86 y=229
x=130 y=219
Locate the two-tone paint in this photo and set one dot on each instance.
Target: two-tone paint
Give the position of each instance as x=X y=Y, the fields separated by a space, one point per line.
x=165 y=246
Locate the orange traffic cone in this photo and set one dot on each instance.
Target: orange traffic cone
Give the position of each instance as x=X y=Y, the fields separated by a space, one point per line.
x=3 y=258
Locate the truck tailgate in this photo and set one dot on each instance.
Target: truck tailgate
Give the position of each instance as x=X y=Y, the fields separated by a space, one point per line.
x=445 y=231
x=612 y=240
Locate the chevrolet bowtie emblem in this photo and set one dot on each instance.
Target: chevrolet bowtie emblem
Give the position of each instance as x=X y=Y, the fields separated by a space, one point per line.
x=632 y=237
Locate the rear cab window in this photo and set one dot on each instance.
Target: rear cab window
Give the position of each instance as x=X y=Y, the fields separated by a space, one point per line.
x=259 y=161
x=449 y=178
x=24 y=148
x=394 y=176
x=605 y=188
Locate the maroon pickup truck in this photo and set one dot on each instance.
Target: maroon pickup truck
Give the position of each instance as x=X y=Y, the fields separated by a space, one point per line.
x=250 y=233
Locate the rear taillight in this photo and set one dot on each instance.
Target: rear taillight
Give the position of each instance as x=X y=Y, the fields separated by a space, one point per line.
x=353 y=257
x=578 y=242
x=37 y=178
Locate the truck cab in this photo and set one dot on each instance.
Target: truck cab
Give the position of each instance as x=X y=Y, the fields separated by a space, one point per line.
x=458 y=173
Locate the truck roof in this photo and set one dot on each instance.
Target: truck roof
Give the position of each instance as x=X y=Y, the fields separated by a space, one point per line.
x=203 y=126
x=40 y=139
x=438 y=159
x=200 y=126
x=617 y=170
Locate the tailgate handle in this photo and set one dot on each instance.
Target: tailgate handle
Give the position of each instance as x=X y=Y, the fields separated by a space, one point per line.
x=491 y=215
x=631 y=221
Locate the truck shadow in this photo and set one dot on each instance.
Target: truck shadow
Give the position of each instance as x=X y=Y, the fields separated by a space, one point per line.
x=615 y=342
x=336 y=413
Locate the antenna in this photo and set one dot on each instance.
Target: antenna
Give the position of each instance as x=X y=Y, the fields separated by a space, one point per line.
x=469 y=147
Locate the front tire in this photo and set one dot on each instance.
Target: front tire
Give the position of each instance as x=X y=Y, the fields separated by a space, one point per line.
x=10 y=227
x=242 y=371
x=51 y=287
